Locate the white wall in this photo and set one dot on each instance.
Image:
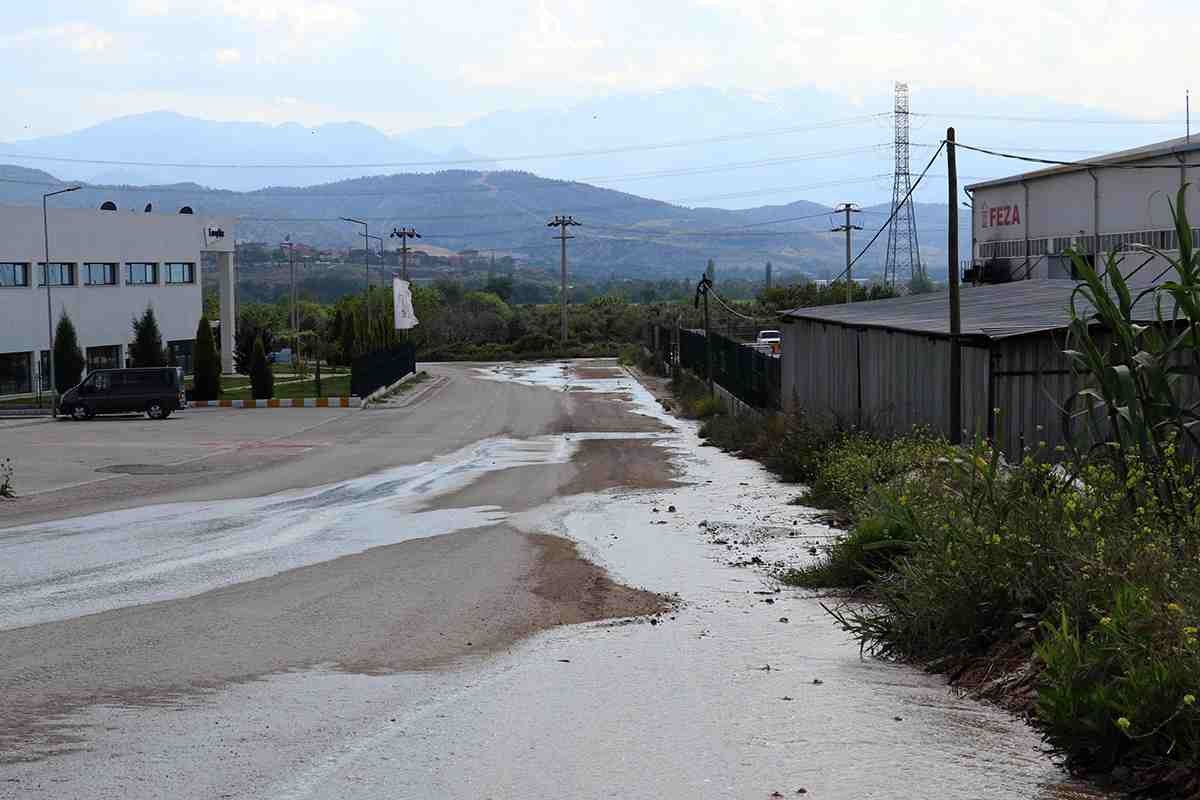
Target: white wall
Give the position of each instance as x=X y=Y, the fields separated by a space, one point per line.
x=103 y=314
x=1071 y=205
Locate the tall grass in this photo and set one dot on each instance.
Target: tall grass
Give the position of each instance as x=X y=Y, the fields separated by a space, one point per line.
x=1092 y=565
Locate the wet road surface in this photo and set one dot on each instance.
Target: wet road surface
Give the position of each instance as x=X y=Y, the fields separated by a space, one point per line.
x=393 y=634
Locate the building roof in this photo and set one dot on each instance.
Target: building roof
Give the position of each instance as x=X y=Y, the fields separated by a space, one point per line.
x=1143 y=153
x=995 y=311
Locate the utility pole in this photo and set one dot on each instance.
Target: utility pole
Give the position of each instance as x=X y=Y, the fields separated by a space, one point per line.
x=562 y=223
x=49 y=305
x=366 y=265
x=287 y=242
x=955 y=308
x=848 y=209
x=702 y=289
x=404 y=234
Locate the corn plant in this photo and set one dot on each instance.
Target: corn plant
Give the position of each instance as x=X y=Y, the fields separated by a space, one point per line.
x=1139 y=398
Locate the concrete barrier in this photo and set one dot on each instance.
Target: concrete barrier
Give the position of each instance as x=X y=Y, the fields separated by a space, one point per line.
x=298 y=402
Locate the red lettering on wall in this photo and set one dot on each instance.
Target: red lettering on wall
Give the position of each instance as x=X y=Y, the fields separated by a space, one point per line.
x=1002 y=215
x=1016 y=215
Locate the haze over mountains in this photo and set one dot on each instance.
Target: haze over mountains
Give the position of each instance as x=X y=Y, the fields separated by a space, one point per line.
x=662 y=181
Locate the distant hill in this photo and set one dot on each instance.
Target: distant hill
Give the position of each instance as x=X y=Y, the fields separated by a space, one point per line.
x=621 y=234
x=168 y=137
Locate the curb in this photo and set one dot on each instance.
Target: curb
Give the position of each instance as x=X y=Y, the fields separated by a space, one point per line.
x=299 y=402
x=382 y=390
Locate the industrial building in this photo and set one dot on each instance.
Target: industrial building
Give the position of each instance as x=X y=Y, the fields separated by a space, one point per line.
x=105 y=267
x=884 y=365
x=1021 y=226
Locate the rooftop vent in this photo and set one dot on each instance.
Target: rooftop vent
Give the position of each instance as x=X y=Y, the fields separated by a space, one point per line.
x=148 y=208
x=108 y=205
x=186 y=210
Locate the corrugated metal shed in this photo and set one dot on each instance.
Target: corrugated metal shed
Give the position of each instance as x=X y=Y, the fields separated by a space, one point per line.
x=991 y=312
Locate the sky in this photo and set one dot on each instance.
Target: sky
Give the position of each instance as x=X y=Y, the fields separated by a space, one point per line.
x=406 y=65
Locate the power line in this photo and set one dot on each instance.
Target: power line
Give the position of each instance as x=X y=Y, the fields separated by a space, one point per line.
x=915 y=184
x=461 y=161
x=1083 y=164
x=1046 y=120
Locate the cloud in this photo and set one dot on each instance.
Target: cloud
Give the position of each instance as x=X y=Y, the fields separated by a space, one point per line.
x=81 y=37
x=149 y=8
x=227 y=56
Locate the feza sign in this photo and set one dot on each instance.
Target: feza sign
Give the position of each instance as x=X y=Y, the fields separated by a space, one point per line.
x=1000 y=216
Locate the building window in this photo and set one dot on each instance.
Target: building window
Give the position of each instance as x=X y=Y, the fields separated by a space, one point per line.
x=141 y=273
x=16 y=376
x=180 y=273
x=100 y=274
x=60 y=274
x=108 y=357
x=180 y=354
x=13 y=275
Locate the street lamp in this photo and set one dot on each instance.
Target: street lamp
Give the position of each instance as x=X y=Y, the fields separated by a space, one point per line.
x=294 y=323
x=49 y=305
x=366 y=264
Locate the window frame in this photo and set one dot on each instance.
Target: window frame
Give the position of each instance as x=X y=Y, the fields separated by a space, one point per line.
x=129 y=266
x=112 y=273
x=190 y=269
x=72 y=270
x=24 y=265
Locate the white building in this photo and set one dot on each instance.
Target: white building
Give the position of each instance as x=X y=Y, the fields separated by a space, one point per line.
x=1022 y=225
x=106 y=267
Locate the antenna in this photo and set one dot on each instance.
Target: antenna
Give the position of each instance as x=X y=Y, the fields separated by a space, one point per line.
x=1187 y=111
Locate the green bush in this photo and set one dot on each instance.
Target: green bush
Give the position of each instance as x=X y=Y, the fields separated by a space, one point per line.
x=262 y=378
x=68 y=358
x=1125 y=689
x=854 y=464
x=146 y=350
x=206 y=364
x=6 y=474
x=868 y=551
x=706 y=407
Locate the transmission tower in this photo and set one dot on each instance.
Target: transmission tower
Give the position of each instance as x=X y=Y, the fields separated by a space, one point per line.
x=903 y=252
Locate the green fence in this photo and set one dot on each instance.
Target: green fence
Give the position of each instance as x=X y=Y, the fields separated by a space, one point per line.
x=748 y=374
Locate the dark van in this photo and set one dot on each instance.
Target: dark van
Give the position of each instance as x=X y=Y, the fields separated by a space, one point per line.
x=156 y=390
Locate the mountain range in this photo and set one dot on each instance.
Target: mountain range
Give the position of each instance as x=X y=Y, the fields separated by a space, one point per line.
x=507 y=212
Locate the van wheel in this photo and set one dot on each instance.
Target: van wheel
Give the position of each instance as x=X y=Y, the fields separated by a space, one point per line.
x=79 y=412
x=156 y=410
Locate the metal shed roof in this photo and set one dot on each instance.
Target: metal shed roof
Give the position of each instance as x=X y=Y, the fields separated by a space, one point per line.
x=1144 y=153
x=994 y=312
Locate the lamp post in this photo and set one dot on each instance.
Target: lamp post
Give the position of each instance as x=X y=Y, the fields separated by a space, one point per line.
x=49 y=305
x=292 y=321
x=366 y=265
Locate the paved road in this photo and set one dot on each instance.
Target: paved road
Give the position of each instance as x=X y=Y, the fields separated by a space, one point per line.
x=370 y=605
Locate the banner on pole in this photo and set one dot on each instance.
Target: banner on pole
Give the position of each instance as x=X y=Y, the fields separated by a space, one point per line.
x=406 y=317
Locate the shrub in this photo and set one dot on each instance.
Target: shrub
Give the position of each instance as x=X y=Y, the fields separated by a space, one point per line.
x=848 y=469
x=262 y=378
x=6 y=474
x=68 y=358
x=146 y=350
x=206 y=364
x=706 y=407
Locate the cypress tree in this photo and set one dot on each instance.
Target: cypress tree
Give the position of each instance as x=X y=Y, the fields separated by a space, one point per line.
x=206 y=364
x=147 y=347
x=68 y=358
x=262 y=379
x=349 y=336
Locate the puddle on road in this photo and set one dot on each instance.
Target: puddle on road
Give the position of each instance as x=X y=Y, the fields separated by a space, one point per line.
x=58 y=570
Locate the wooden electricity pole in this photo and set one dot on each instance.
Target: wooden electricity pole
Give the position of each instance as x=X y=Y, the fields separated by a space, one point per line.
x=562 y=223
x=955 y=308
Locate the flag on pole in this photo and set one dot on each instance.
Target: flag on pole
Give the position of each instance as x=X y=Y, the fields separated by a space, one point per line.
x=402 y=300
